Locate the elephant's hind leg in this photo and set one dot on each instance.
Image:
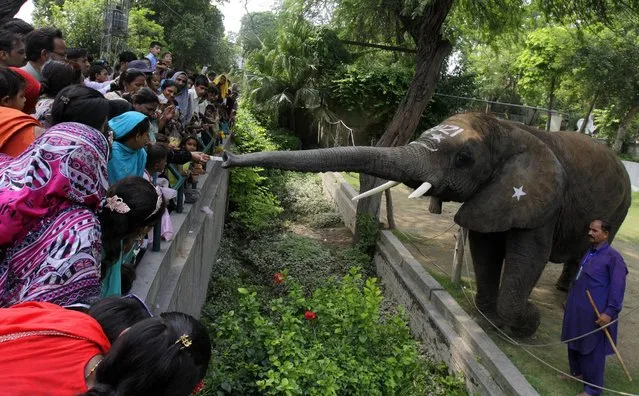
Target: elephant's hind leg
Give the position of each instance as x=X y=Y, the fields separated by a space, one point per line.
x=488 y=252
x=567 y=274
x=527 y=252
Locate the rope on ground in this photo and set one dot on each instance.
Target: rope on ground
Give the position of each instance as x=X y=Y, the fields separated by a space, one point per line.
x=510 y=340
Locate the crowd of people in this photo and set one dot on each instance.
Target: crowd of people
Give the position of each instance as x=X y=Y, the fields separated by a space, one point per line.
x=84 y=149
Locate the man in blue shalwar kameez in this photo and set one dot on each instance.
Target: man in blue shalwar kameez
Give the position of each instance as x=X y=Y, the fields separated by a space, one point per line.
x=603 y=273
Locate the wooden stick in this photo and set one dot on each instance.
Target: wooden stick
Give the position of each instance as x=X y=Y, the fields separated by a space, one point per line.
x=614 y=348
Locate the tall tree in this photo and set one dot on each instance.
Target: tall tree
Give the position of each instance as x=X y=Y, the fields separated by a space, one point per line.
x=546 y=59
x=193 y=29
x=142 y=30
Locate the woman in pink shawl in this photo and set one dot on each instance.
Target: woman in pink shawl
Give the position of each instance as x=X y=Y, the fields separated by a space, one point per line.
x=49 y=232
x=51 y=237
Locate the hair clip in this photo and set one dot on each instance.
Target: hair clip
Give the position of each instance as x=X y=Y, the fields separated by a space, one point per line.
x=64 y=100
x=185 y=340
x=117 y=204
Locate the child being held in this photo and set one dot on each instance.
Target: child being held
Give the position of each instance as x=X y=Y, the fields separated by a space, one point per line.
x=189 y=171
x=155 y=164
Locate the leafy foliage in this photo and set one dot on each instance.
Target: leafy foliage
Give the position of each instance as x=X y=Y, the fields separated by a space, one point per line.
x=142 y=30
x=193 y=31
x=81 y=22
x=335 y=341
x=257 y=29
x=253 y=205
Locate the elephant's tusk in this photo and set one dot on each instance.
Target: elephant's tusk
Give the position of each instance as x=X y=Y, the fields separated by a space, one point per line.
x=421 y=190
x=373 y=191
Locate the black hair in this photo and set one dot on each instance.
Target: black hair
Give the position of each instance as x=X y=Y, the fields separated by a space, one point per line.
x=170 y=73
x=165 y=355
x=129 y=76
x=155 y=152
x=145 y=95
x=141 y=198
x=211 y=75
x=8 y=40
x=139 y=129
x=10 y=82
x=57 y=75
x=201 y=80
x=18 y=26
x=77 y=103
x=118 y=106
x=40 y=39
x=213 y=89
x=116 y=314
x=95 y=69
x=605 y=225
x=168 y=83
x=187 y=138
x=77 y=53
x=126 y=57
x=155 y=43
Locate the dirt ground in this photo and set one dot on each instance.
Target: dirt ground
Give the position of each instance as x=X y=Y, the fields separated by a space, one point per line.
x=431 y=239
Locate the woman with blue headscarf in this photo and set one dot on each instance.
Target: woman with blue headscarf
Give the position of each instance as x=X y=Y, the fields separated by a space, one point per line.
x=183 y=98
x=130 y=135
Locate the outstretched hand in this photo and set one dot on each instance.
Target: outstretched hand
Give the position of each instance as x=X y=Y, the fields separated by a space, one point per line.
x=603 y=320
x=199 y=156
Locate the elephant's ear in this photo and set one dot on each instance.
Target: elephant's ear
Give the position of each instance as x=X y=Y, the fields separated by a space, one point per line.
x=524 y=191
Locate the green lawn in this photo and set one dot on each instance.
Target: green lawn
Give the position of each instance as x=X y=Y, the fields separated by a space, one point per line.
x=629 y=231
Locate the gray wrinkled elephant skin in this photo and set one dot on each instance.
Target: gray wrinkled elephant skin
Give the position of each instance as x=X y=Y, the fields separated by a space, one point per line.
x=528 y=196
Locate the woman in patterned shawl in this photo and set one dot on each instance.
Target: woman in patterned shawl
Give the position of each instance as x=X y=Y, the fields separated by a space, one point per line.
x=50 y=234
x=48 y=225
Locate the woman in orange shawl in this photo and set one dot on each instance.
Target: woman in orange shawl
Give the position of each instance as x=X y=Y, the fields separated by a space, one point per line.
x=17 y=129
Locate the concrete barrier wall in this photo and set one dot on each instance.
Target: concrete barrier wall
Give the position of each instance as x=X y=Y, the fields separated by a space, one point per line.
x=445 y=329
x=633 y=171
x=176 y=278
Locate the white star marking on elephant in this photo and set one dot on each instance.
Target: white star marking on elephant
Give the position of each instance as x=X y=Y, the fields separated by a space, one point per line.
x=519 y=192
x=437 y=137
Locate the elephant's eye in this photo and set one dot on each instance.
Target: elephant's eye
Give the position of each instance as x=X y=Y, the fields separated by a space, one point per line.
x=463 y=159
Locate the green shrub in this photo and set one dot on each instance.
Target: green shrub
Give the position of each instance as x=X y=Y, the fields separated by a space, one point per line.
x=302 y=197
x=253 y=207
x=333 y=342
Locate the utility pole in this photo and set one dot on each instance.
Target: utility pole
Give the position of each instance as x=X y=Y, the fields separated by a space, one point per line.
x=116 y=29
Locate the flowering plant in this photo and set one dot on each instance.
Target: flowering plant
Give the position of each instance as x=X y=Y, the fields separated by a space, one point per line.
x=279 y=278
x=345 y=345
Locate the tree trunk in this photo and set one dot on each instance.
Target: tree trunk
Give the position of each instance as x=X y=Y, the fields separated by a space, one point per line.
x=582 y=128
x=623 y=127
x=9 y=8
x=551 y=99
x=431 y=51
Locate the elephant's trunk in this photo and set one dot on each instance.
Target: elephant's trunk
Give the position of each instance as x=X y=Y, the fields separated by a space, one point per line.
x=401 y=164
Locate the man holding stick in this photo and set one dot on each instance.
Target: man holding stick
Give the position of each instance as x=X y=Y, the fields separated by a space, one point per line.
x=602 y=274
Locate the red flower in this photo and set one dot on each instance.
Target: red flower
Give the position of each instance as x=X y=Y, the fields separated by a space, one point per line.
x=279 y=278
x=198 y=388
x=310 y=315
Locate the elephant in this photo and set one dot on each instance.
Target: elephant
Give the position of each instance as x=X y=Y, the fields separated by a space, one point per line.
x=527 y=197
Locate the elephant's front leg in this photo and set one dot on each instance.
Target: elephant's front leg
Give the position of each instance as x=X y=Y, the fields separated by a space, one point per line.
x=488 y=252
x=527 y=253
